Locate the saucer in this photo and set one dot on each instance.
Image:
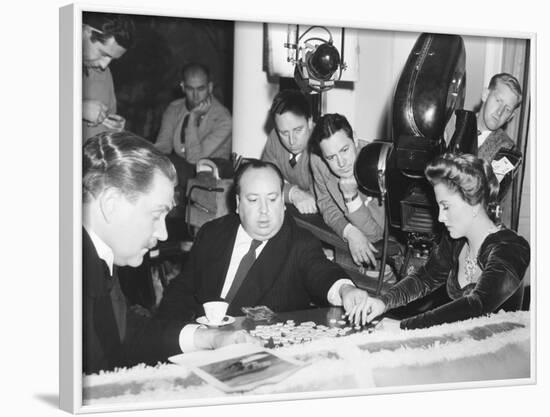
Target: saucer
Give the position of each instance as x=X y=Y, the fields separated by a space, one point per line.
x=226 y=320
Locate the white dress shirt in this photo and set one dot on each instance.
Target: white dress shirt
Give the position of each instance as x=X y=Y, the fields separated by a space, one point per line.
x=240 y=248
x=482 y=136
x=103 y=251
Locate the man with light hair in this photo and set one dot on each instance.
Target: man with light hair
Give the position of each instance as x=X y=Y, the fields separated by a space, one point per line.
x=500 y=101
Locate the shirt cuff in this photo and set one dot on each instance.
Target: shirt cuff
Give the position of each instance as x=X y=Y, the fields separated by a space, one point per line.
x=344 y=231
x=290 y=192
x=187 y=337
x=354 y=205
x=333 y=295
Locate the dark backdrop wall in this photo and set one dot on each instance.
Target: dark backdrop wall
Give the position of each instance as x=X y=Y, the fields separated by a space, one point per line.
x=147 y=77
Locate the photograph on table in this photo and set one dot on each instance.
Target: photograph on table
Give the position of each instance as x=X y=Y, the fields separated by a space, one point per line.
x=281 y=210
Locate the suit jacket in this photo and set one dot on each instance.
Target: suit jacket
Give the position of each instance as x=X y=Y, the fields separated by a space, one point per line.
x=290 y=273
x=496 y=141
x=104 y=346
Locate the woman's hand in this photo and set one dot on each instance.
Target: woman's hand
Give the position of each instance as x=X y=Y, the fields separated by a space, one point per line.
x=362 y=251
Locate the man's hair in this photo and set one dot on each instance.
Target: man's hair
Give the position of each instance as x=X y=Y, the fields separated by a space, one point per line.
x=327 y=126
x=194 y=68
x=471 y=177
x=293 y=101
x=124 y=161
x=255 y=164
x=510 y=81
x=119 y=26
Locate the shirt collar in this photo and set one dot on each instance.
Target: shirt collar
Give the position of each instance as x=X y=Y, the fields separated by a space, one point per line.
x=482 y=136
x=103 y=251
x=244 y=238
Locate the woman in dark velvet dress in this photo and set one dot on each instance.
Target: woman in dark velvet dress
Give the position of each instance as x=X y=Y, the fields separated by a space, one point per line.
x=481 y=263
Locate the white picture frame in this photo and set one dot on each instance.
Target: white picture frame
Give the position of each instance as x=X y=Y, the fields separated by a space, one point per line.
x=70 y=174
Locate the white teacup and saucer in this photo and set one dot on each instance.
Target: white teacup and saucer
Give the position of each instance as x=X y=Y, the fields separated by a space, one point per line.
x=215 y=314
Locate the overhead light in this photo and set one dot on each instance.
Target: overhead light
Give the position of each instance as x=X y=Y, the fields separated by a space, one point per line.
x=318 y=63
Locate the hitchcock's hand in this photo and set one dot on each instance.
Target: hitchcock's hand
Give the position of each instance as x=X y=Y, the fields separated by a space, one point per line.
x=354 y=301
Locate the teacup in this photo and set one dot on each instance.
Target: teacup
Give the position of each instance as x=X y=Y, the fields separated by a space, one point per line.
x=215 y=311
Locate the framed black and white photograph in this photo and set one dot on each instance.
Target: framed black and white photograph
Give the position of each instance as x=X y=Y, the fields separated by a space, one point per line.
x=260 y=207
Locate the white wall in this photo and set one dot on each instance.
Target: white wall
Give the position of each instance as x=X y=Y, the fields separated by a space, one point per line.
x=252 y=93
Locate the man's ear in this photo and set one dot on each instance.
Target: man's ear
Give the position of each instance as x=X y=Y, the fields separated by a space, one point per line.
x=485 y=94
x=238 y=201
x=310 y=123
x=210 y=87
x=108 y=203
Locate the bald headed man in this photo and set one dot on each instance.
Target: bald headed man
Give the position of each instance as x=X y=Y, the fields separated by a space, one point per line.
x=196 y=126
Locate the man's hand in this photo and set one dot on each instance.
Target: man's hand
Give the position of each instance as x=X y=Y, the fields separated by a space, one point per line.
x=216 y=338
x=114 y=122
x=303 y=201
x=362 y=251
x=355 y=304
x=229 y=337
x=94 y=112
x=348 y=186
x=201 y=109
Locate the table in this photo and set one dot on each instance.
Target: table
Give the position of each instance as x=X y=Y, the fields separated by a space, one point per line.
x=495 y=348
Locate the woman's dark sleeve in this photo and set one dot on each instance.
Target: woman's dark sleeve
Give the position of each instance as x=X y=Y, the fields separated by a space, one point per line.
x=425 y=280
x=505 y=265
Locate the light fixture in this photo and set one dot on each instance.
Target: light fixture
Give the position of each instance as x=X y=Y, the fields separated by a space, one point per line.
x=317 y=62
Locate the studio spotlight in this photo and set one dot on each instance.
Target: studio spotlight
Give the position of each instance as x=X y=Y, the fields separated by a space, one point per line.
x=317 y=62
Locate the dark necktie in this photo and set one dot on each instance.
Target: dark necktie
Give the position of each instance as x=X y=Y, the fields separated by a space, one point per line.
x=245 y=265
x=292 y=161
x=119 y=304
x=183 y=127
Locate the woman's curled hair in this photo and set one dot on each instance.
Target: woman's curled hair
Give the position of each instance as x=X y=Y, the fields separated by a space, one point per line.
x=473 y=178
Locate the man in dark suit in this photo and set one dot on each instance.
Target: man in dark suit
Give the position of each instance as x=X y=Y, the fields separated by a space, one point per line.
x=290 y=272
x=127 y=190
